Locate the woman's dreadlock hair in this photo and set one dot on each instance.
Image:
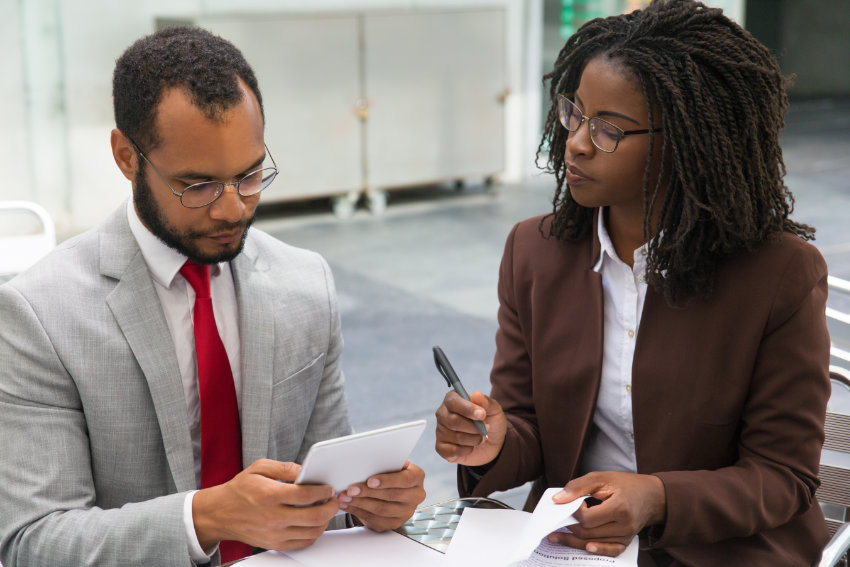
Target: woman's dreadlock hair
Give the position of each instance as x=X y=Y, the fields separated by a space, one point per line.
x=722 y=102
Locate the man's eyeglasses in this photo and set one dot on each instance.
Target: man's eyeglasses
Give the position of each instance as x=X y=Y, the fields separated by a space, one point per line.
x=205 y=193
x=603 y=134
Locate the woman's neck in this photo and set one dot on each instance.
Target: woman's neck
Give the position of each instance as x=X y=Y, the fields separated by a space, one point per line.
x=625 y=228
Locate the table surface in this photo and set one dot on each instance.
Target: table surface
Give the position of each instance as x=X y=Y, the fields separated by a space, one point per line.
x=434 y=525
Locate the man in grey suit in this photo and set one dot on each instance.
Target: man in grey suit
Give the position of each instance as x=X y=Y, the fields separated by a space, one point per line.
x=101 y=416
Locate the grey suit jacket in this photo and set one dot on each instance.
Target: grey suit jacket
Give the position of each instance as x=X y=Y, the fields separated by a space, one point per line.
x=95 y=452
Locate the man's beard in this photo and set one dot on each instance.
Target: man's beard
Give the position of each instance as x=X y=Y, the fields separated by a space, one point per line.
x=184 y=242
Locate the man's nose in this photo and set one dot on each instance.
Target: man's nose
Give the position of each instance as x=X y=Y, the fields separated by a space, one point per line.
x=229 y=206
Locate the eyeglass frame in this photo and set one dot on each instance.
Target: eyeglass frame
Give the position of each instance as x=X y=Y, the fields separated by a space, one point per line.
x=584 y=118
x=221 y=185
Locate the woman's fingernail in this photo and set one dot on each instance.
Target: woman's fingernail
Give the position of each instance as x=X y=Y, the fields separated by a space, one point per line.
x=373 y=483
x=591 y=548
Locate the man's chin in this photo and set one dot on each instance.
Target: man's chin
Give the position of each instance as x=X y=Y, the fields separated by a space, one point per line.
x=216 y=254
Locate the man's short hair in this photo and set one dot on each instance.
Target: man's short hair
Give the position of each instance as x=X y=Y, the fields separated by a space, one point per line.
x=205 y=65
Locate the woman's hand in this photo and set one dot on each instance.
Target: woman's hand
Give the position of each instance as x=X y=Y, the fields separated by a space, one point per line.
x=458 y=440
x=630 y=502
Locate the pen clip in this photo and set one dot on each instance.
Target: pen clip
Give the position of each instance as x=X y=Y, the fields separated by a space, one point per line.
x=439 y=358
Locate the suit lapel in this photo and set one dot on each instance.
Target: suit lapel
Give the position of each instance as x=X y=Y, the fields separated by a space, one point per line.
x=136 y=307
x=257 y=335
x=585 y=394
x=588 y=356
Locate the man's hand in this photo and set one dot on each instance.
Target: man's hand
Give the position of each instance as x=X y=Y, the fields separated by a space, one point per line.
x=385 y=501
x=458 y=440
x=255 y=508
x=630 y=502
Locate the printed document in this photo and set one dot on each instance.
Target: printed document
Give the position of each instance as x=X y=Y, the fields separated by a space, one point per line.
x=548 y=554
x=513 y=538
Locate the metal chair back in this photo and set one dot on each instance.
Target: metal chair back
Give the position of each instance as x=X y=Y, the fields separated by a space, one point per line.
x=20 y=251
x=834 y=491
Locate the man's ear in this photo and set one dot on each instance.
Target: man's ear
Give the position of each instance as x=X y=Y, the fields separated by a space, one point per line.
x=124 y=154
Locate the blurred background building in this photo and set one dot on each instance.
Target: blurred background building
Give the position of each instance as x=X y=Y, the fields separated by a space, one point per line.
x=362 y=96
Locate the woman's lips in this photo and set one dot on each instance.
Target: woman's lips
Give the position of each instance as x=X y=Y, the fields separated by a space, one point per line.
x=574 y=175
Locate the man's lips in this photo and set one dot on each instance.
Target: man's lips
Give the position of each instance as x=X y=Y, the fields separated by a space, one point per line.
x=226 y=237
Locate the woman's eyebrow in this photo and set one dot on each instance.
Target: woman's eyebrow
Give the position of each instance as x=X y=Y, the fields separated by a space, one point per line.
x=618 y=115
x=602 y=113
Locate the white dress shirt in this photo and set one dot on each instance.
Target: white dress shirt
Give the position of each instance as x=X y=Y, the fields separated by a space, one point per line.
x=178 y=301
x=611 y=446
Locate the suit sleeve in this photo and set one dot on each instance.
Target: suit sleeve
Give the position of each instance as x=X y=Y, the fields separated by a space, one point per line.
x=47 y=496
x=780 y=429
x=520 y=459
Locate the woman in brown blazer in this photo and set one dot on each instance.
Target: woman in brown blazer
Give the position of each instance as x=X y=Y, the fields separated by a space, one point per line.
x=662 y=343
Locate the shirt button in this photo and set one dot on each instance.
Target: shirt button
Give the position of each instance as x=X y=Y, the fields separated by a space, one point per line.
x=642 y=278
x=629 y=388
x=631 y=333
x=643 y=251
x=632 y=435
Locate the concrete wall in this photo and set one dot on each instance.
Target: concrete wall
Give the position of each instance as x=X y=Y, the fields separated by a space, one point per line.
x=57 y=67
x=14 y=155
x=816 y=47
x=811 y=40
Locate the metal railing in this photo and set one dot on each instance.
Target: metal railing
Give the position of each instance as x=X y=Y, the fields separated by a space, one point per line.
x=839 y=351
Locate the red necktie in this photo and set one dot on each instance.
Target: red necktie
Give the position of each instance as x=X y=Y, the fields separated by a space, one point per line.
x=221 y=434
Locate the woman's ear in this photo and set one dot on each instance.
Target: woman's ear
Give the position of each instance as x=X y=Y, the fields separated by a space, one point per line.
x=124 y=154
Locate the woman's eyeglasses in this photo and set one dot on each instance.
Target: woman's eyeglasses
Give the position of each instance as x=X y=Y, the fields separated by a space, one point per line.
x=603 y=134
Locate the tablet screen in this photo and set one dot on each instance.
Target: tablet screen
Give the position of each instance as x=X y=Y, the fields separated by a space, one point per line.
x=346 y=460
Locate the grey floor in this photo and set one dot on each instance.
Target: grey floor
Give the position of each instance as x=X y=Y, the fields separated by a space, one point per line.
x=424 y=273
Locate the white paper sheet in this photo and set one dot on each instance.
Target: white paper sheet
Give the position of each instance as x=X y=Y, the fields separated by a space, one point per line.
x=355 y=547
x=485 y=537
x=547 y=518
x=270 y=559
x=511 y=537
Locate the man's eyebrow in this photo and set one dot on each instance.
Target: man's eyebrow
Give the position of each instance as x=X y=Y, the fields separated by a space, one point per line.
x=197 y=175
x=602 y=113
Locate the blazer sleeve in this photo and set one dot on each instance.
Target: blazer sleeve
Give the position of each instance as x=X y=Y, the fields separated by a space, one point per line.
x=520 y=459
x=47 y=496
x=780 y=428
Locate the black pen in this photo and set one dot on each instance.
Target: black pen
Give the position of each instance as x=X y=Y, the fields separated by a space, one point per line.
x=445 y=368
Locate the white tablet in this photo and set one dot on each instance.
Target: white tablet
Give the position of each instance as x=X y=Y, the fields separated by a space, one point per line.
x=346 y=460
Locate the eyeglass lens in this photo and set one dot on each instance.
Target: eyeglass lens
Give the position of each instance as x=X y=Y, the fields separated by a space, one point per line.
x=604 y=135
x=202 y=194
